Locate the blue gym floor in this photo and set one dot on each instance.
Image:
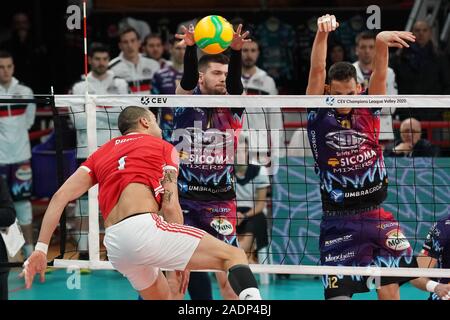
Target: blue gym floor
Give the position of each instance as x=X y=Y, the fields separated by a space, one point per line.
x=110 y=285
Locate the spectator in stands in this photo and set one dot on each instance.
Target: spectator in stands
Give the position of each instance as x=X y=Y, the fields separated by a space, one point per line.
x=131 y=66
x=142 y=28
x=100 y=80
x=411 y=144
x=30 y=56
x=7 y=218
x=421 y=69
x=365 y=51
x=15 y=121
x=263 y=124
x=252 y=183
x=154 y=49
x=336 y=53
x=166 y=81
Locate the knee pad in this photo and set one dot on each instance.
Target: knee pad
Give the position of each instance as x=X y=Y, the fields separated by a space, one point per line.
x=24 y=212
x=243 y=282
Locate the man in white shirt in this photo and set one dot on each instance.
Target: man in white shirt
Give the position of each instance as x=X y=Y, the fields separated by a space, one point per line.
x=15 y=151
x=365 y=51
x=153 y=48
x=131 y=66
x=265 y=125
x=101 y=81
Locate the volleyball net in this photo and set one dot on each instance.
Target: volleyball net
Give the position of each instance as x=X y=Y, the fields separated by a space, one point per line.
x=276 y=138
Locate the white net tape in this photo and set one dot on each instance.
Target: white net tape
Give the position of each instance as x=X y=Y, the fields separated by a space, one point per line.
x=90 y=102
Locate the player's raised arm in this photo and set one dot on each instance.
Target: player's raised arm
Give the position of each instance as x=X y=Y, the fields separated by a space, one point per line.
x=317 y=71
x=234 y=77
x=74 y=187
x=190 y=73
x=384 y=40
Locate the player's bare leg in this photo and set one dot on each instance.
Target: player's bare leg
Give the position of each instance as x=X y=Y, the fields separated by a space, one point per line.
x=226 y=290
x=246 y=242
x=389 y=292
x=212 y=253
x=159 y=290
x=174 y=282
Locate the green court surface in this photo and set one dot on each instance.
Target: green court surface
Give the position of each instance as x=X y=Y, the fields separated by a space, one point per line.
x=111 y=285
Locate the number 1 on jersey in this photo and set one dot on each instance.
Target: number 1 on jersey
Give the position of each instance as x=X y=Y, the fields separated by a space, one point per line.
x=121 y=163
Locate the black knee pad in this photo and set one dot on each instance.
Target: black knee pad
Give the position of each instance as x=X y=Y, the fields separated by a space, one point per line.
x=241 y=277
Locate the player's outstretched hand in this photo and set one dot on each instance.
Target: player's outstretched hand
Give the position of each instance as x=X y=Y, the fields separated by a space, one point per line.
x=36 y=263
x=443 y=291
x=396 y=39
x=327 y=23
x=239 y=39
x=187 y=36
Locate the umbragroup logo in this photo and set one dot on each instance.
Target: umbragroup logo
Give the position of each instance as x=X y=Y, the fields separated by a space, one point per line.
x=337 y=195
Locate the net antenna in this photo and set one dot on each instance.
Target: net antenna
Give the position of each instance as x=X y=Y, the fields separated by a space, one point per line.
x=91 y=118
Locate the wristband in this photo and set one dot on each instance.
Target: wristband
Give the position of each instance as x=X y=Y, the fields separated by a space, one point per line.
x=40 y=246
x=431 y=285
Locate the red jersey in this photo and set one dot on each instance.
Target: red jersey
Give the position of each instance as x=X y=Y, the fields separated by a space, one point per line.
x=133 y=158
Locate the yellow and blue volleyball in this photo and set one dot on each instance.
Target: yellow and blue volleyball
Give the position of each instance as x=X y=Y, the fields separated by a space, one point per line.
x=213 y=34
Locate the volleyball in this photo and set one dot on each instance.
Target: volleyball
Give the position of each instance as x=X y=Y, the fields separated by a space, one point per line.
x=213 y=34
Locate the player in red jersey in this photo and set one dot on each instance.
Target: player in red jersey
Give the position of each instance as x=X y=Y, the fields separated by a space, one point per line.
x=137 y=178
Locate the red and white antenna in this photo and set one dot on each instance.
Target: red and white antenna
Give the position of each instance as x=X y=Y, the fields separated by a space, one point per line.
x=85 y=45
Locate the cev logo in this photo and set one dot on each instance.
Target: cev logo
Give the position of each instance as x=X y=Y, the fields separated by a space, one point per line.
x=330 y=100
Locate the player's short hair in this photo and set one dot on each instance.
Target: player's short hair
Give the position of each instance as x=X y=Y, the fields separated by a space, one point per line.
x=97 y=47
x=365 y=35
x=206 y=59
x=129 y=118
x=342 y=71
x=5 y=54
x=128 y=30
x=152 y=36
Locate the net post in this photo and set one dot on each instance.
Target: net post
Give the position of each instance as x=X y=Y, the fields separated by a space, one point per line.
x=59 y=152
x=94 y=229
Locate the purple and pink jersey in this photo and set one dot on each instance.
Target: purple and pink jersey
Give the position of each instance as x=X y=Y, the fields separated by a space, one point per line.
x=206 y=139
x=355 y=230
x=348 y=158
